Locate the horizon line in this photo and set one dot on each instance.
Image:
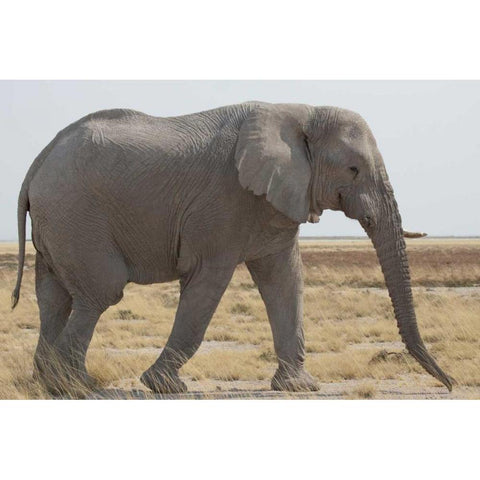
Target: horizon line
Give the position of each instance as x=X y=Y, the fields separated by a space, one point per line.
x=318 y=237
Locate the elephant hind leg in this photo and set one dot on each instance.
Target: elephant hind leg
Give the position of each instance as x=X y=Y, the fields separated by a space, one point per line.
x=61 y=367
x=94 y=289
x=55 y=305
x=70 y=349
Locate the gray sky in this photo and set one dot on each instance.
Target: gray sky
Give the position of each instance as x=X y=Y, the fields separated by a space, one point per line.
x=427 y=131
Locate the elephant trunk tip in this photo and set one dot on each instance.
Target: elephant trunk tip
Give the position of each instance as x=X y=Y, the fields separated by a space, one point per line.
x=15 y=298
x=419 y=352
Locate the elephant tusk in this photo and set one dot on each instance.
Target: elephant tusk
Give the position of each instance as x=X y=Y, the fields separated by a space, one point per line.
x=414 y=234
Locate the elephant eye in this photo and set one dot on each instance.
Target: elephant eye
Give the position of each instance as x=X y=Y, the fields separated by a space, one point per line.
x=355 y=171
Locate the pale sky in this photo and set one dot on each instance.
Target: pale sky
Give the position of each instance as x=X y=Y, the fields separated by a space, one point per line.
x=428 y=133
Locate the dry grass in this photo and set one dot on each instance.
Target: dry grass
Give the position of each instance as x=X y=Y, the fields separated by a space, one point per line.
x=348 y=320
x=366 y=390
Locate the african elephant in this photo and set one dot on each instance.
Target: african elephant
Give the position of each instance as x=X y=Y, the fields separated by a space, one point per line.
x=120 y=196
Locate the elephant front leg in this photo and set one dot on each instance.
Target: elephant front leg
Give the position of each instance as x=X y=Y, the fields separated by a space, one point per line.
x=201 y=291
x=280 y=282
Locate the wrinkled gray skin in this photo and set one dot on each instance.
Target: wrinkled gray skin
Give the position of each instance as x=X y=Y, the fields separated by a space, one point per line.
x=120 y=196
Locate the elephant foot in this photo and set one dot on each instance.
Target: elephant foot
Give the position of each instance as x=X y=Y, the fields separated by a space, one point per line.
x=59 y=377
x=160 y=381
x=300 y=381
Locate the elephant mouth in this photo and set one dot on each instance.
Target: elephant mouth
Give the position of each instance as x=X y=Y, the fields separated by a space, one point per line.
x=350 y=208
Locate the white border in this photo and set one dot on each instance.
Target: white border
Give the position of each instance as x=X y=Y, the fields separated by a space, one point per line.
x=239 y=439
x=213 y=39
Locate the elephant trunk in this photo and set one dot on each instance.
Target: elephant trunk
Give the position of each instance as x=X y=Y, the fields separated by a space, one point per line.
x=387 y=237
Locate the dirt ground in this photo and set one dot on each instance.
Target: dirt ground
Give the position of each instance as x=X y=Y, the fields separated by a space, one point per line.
x=352 y=343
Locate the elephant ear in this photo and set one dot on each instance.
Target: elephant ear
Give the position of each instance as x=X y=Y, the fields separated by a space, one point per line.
x=272 y=159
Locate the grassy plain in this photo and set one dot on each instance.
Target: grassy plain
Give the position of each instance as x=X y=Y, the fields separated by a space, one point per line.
x=352 y=342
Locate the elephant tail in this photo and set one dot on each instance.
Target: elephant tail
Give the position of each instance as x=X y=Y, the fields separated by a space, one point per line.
x=23 y=206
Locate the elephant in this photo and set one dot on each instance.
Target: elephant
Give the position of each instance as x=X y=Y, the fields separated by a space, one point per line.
x=120 y=196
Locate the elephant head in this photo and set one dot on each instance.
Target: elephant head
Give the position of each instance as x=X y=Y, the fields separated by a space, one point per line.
x=307 y=159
